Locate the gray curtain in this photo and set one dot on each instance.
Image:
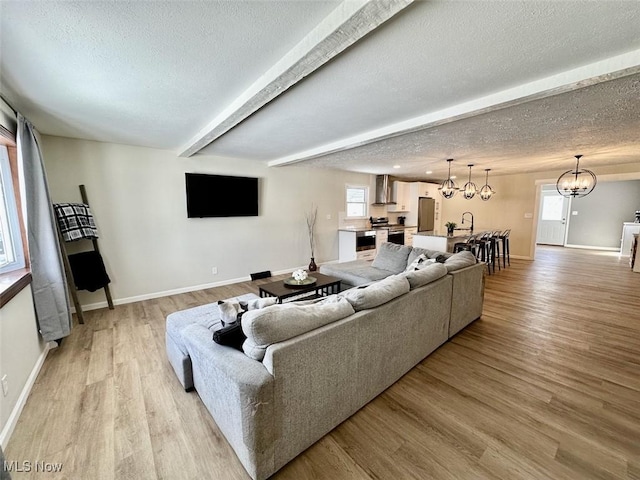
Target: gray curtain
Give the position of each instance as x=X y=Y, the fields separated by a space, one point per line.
x=49 y=284
x=4 y=472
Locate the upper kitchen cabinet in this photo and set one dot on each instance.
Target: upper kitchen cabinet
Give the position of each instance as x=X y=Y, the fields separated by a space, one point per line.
x=401 y=194
x=422 y=189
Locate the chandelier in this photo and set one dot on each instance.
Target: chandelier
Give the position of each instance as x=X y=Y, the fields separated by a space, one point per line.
x=486 y=192
x=448 y=188
x=469 y=190
x=576 y=183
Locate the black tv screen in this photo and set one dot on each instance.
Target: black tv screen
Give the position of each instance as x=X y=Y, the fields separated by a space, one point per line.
x=221 y=196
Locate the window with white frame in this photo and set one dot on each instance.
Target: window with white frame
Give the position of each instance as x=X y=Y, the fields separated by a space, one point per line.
x=11 y=253
x=357 y=201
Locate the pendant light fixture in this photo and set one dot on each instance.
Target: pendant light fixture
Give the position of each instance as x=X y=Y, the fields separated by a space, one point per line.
x=576 y=183
x=448 y=188
x=486 y=192
x=469 y=191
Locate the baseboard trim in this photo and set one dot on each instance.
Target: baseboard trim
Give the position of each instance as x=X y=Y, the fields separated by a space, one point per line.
x=177 y=291
x=7 y=431
x=587 y=247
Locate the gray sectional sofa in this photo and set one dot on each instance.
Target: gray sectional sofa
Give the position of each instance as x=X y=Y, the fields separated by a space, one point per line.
x=307 y=366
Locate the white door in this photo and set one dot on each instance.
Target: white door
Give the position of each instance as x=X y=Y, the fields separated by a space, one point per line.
x=552 y=225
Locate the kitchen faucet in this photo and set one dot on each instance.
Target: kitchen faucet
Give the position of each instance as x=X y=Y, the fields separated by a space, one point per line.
x=471 y=229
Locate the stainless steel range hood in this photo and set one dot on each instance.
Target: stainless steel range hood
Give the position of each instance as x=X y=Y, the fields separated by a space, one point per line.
x=383 y=191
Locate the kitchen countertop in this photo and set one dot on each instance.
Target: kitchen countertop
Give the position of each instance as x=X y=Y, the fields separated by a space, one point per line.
x=366 y=229
x=443 y=235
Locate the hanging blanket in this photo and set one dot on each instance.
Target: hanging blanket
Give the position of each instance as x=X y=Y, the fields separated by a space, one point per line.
x=75 y=221
x=88 y=271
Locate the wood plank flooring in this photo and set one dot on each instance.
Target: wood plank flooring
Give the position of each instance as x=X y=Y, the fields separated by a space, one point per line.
x=545 y=385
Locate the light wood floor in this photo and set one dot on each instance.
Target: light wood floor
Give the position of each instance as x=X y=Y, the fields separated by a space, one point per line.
x=545 y=385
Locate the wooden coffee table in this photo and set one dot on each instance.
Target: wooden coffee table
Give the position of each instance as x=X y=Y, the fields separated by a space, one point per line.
x=325 y=285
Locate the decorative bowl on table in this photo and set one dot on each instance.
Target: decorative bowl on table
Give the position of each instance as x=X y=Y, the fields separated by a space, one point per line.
x=299 y=279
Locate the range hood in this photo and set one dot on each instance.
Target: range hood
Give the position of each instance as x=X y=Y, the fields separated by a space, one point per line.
x=383 y=191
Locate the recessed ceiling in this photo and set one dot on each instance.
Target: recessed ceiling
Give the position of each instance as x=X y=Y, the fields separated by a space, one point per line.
x=512 y=86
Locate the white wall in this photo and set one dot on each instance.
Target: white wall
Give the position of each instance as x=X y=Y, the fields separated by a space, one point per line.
x=21 y=352
x=137 y=196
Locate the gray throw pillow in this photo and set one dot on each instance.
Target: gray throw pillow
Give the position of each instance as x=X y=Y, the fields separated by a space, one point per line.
x=392 y=257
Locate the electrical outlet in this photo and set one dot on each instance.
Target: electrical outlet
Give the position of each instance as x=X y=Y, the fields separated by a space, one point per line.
x=328 y=216
x=214 y=270
x=5 y=385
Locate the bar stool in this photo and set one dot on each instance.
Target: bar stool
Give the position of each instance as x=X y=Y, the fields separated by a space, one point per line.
x=495 y=245
x=485 y=250
x=506 y=257
x=470 y=244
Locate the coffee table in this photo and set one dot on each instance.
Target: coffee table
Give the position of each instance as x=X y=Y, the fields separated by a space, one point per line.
x=325 y=285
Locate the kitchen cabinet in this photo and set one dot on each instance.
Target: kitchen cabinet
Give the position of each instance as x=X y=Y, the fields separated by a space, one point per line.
x=400 y=193
x=409 y=232
x=422 y=189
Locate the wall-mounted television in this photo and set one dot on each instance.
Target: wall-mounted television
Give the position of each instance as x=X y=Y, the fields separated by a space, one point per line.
x=221 y=196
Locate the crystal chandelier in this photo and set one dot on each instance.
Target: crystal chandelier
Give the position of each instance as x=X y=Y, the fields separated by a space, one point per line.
x=469 y=190
x=448 y=188
x=486 y=192
x=576 y=183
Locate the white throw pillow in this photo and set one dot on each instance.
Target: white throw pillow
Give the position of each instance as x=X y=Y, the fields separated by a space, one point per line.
x=420 y=261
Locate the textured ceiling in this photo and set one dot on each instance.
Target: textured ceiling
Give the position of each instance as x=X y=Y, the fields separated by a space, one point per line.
x=156 y=73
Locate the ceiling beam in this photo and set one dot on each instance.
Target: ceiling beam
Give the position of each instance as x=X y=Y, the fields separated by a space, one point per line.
x=597 y=72
x=348 y=23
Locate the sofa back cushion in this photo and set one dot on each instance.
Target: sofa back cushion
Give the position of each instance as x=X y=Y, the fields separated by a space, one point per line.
x=392 y=257
x=383 y=291
x=460 y=260
x=427 y=274
x=283 y=321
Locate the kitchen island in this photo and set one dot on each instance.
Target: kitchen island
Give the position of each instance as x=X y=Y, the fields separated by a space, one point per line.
x=437 y=241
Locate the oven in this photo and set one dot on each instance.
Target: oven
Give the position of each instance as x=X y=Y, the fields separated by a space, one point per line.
x=396 y=236
x=365 y=240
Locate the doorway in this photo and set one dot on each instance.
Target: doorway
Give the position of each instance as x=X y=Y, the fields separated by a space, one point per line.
x=554 y=208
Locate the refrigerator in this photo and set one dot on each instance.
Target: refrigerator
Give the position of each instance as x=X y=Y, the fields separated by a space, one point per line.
x=426 y=213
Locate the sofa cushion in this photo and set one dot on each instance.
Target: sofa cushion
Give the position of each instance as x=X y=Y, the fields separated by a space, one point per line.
x=377 y=293
x=427 y=274
x=358 y=272
x=392 y=257
x=283 y=321
x=460 y=260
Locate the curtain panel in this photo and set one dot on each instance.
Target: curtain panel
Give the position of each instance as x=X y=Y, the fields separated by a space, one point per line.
x=49 y=284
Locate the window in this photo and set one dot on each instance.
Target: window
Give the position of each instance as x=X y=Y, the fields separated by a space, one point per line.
x=357 y=201
x=11 y=252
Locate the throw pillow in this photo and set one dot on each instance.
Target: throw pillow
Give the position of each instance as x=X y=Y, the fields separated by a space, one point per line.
x=230 y=336
x=420 y=262
x=392 y=257
x=232 y=310
x=377 y=293
x=229 y=311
